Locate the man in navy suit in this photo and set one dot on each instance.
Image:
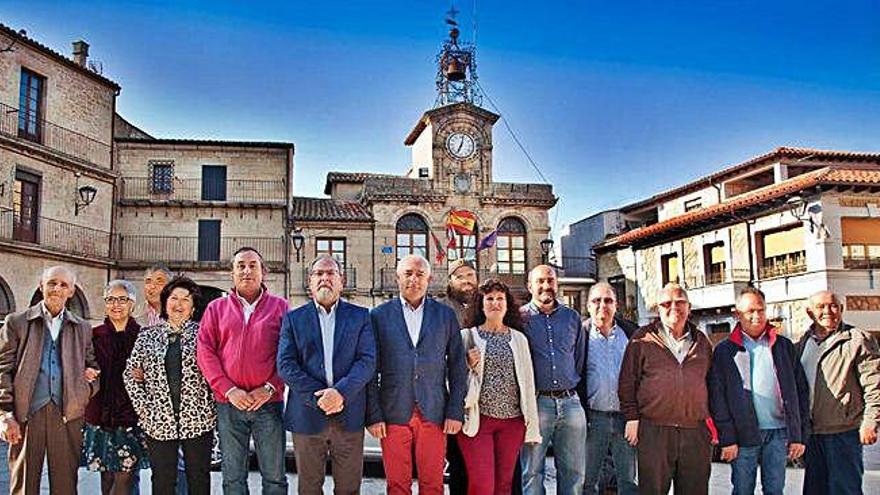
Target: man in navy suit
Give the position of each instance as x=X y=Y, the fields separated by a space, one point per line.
x=327 y=356
x=410 y=409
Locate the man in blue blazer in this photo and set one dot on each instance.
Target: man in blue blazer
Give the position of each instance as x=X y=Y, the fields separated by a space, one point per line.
x=410 y=407
x=327 y=356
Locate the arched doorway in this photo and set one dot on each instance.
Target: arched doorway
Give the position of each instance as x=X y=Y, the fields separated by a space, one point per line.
x=7 y=300
x=77 y=304
x=208 y=294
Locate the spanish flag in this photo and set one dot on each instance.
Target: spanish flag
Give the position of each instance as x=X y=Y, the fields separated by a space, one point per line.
x=461 y=221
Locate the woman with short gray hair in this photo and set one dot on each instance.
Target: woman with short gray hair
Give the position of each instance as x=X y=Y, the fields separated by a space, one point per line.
x=113 y=443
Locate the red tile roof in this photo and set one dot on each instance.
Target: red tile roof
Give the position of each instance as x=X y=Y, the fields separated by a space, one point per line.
x=780 y=153
x=824 y=176
x=322 y=209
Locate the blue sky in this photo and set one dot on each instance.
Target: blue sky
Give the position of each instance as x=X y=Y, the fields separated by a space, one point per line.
x=614 y=102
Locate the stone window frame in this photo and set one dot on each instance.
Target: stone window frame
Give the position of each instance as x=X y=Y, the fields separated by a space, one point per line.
x=332 y=252
x=27 y=77
x=510 y=229
x=408 y=225
x=166 y=182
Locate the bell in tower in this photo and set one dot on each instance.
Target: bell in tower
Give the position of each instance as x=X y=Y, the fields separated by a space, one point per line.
x=456 y=69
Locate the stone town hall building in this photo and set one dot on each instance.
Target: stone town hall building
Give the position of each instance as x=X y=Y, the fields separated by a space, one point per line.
x=81 y=186
x=372 y=220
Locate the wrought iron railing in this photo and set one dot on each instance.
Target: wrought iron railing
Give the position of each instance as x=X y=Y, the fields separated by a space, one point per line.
x=177 y=189
x=54 y=136
x=185 y=249
x=55 y=235
x=861 y=263
x=718 y=277
x=440 y=279
x=350 y=278
x=770 y=269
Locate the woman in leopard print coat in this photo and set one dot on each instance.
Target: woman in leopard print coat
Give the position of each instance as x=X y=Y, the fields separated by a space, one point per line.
x=172 y=400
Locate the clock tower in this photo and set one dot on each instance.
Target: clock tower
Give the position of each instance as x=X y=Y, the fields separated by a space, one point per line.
x=452 y=143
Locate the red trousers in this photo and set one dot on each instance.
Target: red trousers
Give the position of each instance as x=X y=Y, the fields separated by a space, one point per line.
x=491 y=455
x=424 y=439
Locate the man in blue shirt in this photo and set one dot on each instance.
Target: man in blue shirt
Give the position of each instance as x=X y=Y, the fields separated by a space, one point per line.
x=758 y=398
x=606 y=344
x=556 y=339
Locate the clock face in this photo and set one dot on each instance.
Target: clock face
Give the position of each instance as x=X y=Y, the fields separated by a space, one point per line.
x=460 y=145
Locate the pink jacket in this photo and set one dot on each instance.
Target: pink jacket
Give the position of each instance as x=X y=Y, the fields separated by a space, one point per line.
x=232 y=354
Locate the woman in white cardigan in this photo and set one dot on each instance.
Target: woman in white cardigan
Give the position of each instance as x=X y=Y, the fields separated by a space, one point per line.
x=501 y=411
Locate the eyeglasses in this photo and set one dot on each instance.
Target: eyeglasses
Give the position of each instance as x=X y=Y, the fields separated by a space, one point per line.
x=607 y=300
x=668 y=304
x=116 y=300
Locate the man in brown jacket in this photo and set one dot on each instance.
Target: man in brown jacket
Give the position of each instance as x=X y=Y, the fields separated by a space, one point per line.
x=664 y=399
x=47 y=376
x=842 y=364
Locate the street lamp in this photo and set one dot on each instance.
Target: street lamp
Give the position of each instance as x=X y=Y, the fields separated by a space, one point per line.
x=86 y=196
x=546 y=247
x=298 y=240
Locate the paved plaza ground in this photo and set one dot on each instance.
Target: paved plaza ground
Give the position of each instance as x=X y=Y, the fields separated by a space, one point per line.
x=720 y=482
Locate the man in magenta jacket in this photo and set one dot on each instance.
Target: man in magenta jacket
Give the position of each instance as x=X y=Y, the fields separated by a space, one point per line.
x=237 y=347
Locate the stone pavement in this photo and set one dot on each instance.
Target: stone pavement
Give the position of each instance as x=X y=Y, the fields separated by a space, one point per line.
x=719 y=483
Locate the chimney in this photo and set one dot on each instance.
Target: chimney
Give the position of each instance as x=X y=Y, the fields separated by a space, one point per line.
x=80 y=52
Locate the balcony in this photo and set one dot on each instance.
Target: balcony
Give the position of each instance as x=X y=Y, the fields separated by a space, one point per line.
x=861 y=263
x=59 y=139
x=145 y=190
x=183 y=251
x=54 y=235
x=718 y=289
x=771 y=268
x=350 y=283
x=440 y=279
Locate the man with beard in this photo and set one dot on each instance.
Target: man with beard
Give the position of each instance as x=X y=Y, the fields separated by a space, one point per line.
x=237 y=348
x=665 y=401
x=417 y=396
x=557 y=343
x=459 y=294
x=327 y=356
x=842 y=365
x=48 y=373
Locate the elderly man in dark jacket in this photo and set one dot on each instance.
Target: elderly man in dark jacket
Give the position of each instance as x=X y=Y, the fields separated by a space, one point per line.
x=47 y=376
x=758 y=398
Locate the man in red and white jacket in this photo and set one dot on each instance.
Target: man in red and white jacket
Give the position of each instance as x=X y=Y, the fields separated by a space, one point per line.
x=237 y=347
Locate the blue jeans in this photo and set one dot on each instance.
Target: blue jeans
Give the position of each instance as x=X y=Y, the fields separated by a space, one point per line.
x=564 y=425
x=604 y=431
x=235 y=428
x=772 y=454
x=834 y=464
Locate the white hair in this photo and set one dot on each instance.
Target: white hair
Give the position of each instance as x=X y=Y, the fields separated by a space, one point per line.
x=121 y=284
x=421 y=259
x=59 y=268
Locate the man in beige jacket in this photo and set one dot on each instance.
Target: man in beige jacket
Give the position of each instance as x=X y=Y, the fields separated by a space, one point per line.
x=47 y=376
x=842 y=364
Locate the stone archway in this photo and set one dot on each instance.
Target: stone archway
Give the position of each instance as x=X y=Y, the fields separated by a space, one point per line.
x=7 y=300
x=78 y=304
x=208 y=294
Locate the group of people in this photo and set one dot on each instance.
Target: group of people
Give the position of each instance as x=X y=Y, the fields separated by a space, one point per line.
x=474 y=378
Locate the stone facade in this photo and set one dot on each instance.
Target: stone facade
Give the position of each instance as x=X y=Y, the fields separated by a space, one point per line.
x=806 y=193
x=437 y=181
x=155 y=224
x=42 y=167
